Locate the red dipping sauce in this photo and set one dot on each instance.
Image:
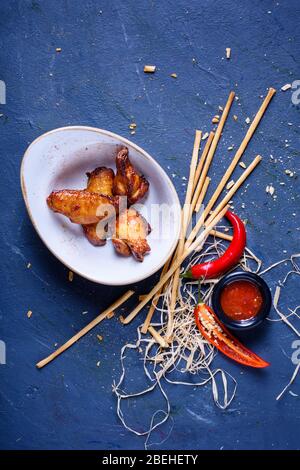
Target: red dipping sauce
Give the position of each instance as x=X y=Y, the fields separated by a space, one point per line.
x=241 y=300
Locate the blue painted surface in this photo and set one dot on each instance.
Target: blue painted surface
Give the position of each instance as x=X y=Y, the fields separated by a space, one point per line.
x=98 y=80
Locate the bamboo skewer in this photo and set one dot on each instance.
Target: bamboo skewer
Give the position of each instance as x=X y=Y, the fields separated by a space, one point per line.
x=235 y=187
x=202 y=193
x=86 y=329
x=204 y=154
x=149 y=316
x=206 y=166
x=240 y=151
x=224 y=201
x=202 y=158
x=158 y=338
x=185 y=218
x=174 y=267
x=224 y=236
x=215 y=140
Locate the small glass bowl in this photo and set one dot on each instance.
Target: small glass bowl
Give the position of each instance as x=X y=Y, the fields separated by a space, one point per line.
x=251 y=322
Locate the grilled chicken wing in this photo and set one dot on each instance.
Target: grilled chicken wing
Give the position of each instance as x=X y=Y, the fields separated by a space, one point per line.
x=100 y=181
x=127 y=181
x=130 y=236
x=81 y=206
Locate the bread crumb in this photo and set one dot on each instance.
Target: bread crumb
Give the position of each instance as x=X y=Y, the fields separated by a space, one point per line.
x=286 y=87
x=100 y=338
x=149 y=68
x=235 y=117
x=58 y=49
x=243 y=165
x=98 y=364
x=29 y=313
x=173 y=75
x=28 y=265
x=215 y=119
x=71 y=276
x=132 y=125
x=205 y=136
x=229 y=185
x=247 y=120
x=228 y=52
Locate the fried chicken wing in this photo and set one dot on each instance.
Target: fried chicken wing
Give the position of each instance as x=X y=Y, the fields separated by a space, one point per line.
x=128 y=182
x=100 y=181
x=130 y=235
x=81 y=206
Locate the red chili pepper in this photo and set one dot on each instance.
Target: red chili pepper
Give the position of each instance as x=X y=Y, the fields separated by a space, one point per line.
x=229 y=259
x=218 y=335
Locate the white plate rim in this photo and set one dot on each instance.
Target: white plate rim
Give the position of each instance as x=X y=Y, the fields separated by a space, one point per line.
x=126 y=142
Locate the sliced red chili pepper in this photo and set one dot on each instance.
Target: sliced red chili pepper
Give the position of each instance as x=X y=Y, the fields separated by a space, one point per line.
x=218 y=335
x=229 y=259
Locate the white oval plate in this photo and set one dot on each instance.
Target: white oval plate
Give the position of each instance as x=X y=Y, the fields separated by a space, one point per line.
x=59 y=159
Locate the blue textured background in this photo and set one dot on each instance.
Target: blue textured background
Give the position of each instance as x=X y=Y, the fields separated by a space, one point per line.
x=98 y=80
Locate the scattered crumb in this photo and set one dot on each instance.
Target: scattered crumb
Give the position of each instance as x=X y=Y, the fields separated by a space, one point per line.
x=286 y=87
x=228 y=52
x=28 y=265
x=231 y=147
x=71 y=276
x=220 y=108
x=270 y=189
x=149 y=68
x=215 y=119
x=98 y=364
x=235 y=117
x=55 y=345
x=85 y=312
x=229 y=185
x=132 y=132
x=58 y=49
x=132 y=125
x=289 y=173
x=173 y=75
x=247 y=120
x=205 y=136
x=100 y=338
x=121 y=318
x=243 y=165
x=29 y=313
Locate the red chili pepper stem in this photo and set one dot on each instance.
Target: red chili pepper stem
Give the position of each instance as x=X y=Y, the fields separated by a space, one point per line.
x=228 y=260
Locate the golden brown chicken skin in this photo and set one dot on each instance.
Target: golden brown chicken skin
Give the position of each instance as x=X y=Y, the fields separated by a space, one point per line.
x=128 y=182
x=81 y=206
x=130 y=235
x=100 y=181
